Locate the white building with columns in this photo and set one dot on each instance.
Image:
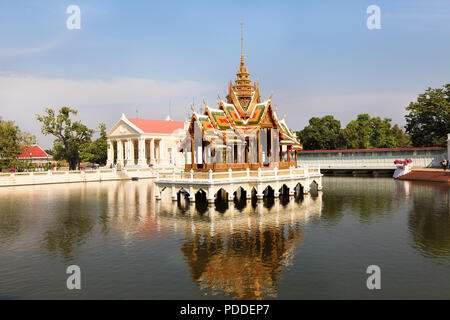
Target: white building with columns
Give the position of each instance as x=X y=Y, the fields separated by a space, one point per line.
x=143 y=142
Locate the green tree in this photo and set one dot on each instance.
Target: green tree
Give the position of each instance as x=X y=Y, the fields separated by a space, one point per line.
x=321 y=134
x=70 y=136
x=366 y=132
x=428 y=121
x=12 y=143
x=97 y=151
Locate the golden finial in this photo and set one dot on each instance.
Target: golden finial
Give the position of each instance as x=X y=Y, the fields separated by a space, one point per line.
x=218 y=98
x=271 y=94
x=242 y=43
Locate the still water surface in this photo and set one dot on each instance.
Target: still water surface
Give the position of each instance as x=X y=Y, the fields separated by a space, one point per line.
x=314 y=247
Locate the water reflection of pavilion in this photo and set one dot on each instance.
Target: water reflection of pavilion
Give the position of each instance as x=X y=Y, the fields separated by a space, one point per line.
x=234 y=249
x=240 y=252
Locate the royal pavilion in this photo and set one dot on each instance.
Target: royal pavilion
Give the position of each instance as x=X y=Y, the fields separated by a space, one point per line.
x=241 y=145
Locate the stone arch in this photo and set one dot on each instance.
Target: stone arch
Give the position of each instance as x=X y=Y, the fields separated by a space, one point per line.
x=298 y=189
x=240 y=193
x=183 y=194
x=240 y=197
x=253 y=191
x=268 y=191
x=221 y=194
x=284 y=190
x=201 y=195
x=314 y=187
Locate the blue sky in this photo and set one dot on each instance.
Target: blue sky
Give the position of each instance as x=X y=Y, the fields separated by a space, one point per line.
x=317 y=57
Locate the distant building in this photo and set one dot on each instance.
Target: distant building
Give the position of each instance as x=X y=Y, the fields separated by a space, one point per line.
x=36 y=155
x=380 y=158
x=144 y=142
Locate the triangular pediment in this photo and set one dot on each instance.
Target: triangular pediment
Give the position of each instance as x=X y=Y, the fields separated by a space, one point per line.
x=269 y=121
x=121 y=128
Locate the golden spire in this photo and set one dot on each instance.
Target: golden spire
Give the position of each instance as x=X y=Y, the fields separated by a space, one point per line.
x=243 y=86
x=242 y=43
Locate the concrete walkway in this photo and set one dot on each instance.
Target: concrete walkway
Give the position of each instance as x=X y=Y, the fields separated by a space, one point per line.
x=427 y=174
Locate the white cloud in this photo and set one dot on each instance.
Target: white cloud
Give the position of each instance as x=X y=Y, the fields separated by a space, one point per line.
x=345 y=107
x=21 y=97
x=417 y=16
x=32 y=49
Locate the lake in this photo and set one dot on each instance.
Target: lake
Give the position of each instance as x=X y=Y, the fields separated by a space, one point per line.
x=316 y=246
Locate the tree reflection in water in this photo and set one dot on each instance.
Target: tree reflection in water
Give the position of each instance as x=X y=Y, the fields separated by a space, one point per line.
x=69 y=229
x=429 y=218
x=239 y=250
x=367 y=198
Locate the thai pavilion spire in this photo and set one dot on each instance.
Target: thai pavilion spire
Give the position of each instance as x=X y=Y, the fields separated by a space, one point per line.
x=242 y=44
x=243 y=87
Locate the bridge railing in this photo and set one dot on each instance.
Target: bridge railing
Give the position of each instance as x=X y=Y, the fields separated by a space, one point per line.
x=179 y=175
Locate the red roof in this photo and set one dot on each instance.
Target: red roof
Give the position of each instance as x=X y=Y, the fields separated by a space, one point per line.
x=36 y=152
x=374 y=149
x=158 y=126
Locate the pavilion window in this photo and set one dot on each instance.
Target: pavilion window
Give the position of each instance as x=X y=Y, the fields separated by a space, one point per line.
x=284 y=152
x=209 y=154
x=198 y=144
x=253 y=149
x=275 y=146
x=263 y=142
x=240 y=153
x=220 y=155
x=188 y=151
x=230 y=153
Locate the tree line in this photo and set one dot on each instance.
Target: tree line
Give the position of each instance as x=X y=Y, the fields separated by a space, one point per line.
x=73 y=142
x=427 y=125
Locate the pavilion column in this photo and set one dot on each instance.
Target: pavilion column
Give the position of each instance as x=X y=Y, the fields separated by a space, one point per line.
x=130 y=152
x=120 y=152
x=161 y=150
x=289 y=155
x=125 y=152
x=141 y=152
x=258 y=155
x=192 y=152
x=110 y=153
x=152 y=150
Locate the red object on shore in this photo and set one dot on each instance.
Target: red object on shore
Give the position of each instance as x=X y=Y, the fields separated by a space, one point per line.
x=403 y=162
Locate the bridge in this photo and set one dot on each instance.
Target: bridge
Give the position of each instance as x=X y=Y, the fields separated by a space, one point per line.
x=379 y=160
x=236 y=184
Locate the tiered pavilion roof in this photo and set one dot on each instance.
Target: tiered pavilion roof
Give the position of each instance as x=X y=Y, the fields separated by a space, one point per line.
x=241 y=116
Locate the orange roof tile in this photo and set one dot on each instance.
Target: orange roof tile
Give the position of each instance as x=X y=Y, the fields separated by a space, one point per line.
x=158 y=126
x=36 y=152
